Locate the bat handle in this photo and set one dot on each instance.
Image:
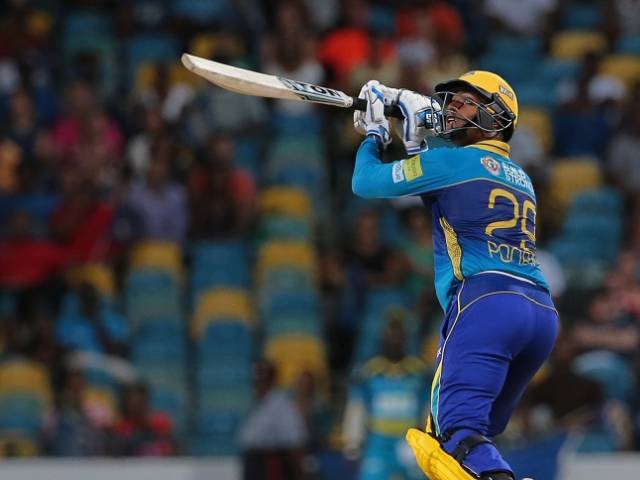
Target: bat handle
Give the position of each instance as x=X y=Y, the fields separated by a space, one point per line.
x=389 y=110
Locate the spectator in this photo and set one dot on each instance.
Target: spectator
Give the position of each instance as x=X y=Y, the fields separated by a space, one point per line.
x=158 y=205
x=139 y=147
x=349 y=45
x=25 y=261
x=75 y=430
x=23 y=128
x=419 y=251
x=169 y=97
x=623 y=158
x=388 y=396
x=81 y=222
x=314 y=410
x=222 y=195
x=89 y=323
x=273 y=433
x=529 y=17
x=140 y=431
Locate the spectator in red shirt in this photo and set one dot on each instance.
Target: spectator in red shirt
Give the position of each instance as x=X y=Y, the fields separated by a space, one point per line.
x=141 y=432
x=349 y=45
x=24 y=260
x=222 y=195
x=81 y=222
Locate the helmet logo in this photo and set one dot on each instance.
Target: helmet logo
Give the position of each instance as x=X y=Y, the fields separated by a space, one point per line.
x=491 y=165
x=504 y=90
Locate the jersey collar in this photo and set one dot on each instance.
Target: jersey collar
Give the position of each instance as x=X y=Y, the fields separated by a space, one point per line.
x=494 y=146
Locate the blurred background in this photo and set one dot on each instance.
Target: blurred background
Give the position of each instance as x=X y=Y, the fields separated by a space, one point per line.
x=185 y=272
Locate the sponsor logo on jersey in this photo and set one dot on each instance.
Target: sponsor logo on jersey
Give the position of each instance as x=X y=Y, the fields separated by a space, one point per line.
x=491 y=165
x=397 y=173
x=412 y=168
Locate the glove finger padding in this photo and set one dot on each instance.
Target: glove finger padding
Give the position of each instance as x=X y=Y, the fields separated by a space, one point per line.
x=375 y=121
x=416 y=108
x=433 y=460
x=358 y=115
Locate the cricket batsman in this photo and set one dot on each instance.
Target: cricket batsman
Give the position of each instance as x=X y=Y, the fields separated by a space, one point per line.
x=500 y=322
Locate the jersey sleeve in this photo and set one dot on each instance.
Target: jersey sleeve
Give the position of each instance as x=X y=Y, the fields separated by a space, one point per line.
x=423 y=173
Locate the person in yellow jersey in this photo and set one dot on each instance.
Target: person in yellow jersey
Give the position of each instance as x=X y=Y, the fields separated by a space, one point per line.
x=500 y=322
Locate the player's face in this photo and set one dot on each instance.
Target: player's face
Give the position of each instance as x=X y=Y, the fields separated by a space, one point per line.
x=461 y=108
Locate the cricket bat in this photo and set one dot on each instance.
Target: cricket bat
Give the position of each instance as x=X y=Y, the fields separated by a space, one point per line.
x=247 y=82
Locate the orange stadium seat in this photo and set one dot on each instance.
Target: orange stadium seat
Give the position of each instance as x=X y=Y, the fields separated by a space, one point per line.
x=538 y=121
x=570 y=176
x=100 y=276
x=15 y=444
x=285 y=201
x=295 y=354
x=221 y=304
x=573 y=44
x=158 y=255
x=275 y=254
x=20 y=376
x=624 y=67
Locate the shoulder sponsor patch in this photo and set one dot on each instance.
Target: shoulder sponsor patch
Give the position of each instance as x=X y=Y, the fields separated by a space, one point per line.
x=396 y=172
x=491 y=165
x=412 y=168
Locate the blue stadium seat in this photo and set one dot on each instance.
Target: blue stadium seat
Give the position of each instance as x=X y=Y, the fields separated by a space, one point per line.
x=581 y=16
x=550 y=72
x=86 y=23
x=204 y=11
x=290 y=303
x=513 y=46
x=628 y=45
x=610 y=370
x=150 y=48
x=536 y=93
x=285 y=227
x=21 y=412
x=513 y=69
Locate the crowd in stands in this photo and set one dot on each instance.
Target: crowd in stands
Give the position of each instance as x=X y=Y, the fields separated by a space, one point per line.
x=167 y=246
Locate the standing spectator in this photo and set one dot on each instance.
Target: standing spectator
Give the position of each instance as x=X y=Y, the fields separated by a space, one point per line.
x=159 y=205
x=222 y=195
x=388 y=396
x=273 y=435
x=140 y=431
x=75 y=430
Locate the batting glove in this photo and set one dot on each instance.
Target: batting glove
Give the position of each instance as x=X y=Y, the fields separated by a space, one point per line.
x=419 y=117
x=372 y=121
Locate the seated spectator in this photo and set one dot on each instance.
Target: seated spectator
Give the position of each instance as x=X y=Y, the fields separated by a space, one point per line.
x=91 y=324
x=529 y=17
x=349 y=45
x=140 y=431
x=623 y=159
x=81 y=222
x=158 y=205
x=75 y=429
x=222 y=195
x=580 y=127
x=273 y=435
x=24 y=260
x=139 y=147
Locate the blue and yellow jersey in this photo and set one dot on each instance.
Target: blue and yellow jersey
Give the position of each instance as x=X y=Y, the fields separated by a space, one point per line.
x=394 y=395
x=483 y=208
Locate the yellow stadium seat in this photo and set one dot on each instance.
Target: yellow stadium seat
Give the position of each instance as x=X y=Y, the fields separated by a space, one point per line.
x=295 y=354
x=15 y=444
x=574 y=44
x=570 y=176
x=100 y=276
x=285 y=201
x=281 y=254
x=539 y=122
x=624 y=67
x=146 y=76
x=23 y=376
x=165 y=256
x=221 y=304
x=204 y=45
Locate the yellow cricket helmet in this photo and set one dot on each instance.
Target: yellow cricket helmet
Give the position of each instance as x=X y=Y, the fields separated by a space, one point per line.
x=499 y=110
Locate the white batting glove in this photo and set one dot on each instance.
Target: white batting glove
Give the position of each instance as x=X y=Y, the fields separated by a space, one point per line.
x=418 y=111
x=372 y=121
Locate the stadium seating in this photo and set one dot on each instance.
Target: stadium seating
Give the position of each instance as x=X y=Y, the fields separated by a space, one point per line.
x=570 y=176
x=574 y=44
x=538 y=121
x=294 y=354
x=629 y=45
x=624 y=67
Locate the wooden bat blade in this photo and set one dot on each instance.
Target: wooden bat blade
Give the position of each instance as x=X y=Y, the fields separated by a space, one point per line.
x=247 y=82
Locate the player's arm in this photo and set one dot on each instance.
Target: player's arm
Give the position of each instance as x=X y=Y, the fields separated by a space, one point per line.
x=422 y=173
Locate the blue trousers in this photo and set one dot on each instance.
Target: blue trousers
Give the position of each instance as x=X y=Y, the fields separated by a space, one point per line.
x=496 y=335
